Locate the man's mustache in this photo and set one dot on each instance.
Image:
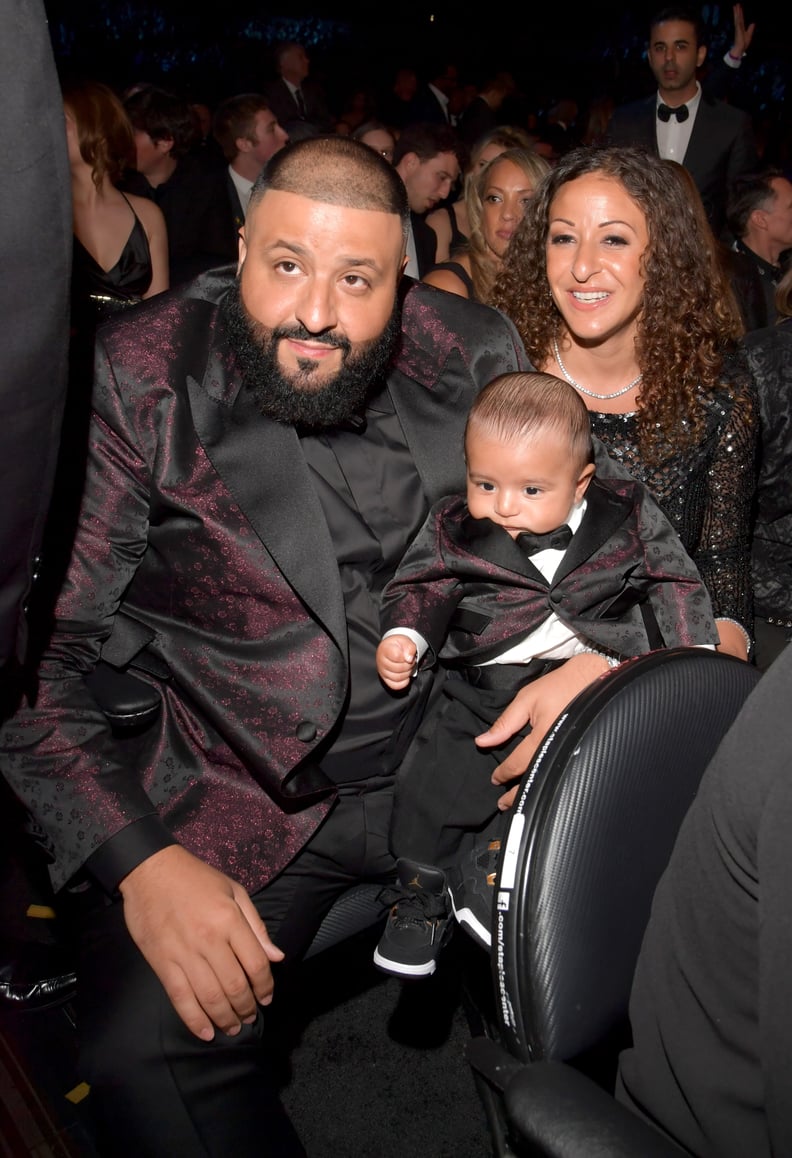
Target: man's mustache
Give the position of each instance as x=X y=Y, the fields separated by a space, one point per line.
x=301 y=334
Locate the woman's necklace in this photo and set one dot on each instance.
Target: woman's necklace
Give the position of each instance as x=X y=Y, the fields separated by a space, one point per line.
x=583 y=389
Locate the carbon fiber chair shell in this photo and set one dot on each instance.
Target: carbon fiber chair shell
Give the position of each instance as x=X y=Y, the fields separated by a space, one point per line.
x=590 y=834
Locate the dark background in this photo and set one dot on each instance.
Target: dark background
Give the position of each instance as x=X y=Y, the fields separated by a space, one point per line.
x=210 y=51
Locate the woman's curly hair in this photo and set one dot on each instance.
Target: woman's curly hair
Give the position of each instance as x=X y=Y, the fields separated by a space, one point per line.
x=689 y=318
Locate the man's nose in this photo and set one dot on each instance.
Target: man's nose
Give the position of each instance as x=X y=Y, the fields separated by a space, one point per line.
x=316 y=307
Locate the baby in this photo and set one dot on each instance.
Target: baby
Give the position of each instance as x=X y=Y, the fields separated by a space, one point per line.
x=539 y=561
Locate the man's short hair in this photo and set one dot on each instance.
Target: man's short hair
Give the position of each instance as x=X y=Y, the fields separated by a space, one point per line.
x=746 y=193
x=235 y=117
x=337 y=171
x=516 y=406
x=688 y=15
x=427 y=141
x=164 y=116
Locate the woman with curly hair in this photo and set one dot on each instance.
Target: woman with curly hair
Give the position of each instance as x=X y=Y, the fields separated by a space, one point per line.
x=612 y=286
x=495 y=204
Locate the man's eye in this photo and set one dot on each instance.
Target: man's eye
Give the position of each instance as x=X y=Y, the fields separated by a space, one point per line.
x=287 y=266
x=356 y=281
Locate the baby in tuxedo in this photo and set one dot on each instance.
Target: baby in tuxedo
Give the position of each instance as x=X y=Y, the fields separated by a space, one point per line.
x=539 y=561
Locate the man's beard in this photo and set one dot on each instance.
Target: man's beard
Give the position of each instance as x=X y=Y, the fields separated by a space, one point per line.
x=300 y=399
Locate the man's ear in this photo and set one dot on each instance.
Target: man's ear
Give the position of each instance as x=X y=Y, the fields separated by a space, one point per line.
x=758 y=219
x=584 y=478
x=701 y=55
x=410 y=162
x=242 y=250
x=165 y=144
x=243 y=144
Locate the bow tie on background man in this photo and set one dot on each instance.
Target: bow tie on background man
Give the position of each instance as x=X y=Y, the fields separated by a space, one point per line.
x=665 y=113
x=557 y=540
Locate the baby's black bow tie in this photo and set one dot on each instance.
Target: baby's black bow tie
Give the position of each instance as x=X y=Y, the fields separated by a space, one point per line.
x=557 y=540
x=665 y=113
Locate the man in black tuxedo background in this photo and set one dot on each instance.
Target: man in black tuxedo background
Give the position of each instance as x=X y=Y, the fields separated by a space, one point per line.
x=712 y=139
x=429 y=159
x=249 y=134
x=294 y=98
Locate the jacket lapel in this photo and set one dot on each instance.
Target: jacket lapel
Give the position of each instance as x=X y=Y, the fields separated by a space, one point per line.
x=704 y=141
x=262 y=465
x=605 y=512
x=432 y=416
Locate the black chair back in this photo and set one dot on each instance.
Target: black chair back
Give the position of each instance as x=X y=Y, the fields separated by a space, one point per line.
x=590 y=834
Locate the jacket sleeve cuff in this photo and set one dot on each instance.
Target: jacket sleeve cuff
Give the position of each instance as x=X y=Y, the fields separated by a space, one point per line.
x=126 y=850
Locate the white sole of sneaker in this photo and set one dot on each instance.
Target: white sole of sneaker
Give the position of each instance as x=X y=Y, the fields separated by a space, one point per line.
x=470 y=922
x=399 y=969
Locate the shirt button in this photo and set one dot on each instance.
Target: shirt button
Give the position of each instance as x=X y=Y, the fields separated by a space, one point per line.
x=306 y=731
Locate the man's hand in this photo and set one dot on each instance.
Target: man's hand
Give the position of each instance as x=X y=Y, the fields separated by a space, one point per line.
x=742 y=35
x=539 y=704
x=201 y=934
x=396 y=657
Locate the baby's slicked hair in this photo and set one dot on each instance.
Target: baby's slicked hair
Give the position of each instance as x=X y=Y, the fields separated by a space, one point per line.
x=337 y=171
x=520 y=405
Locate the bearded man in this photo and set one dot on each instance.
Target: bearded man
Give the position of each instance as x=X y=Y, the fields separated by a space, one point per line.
x=264 y=446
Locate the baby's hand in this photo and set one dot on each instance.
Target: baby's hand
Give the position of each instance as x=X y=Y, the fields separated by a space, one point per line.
x=396 y=656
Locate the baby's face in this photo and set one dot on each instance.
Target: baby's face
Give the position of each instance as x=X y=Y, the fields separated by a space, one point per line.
x=523 y=485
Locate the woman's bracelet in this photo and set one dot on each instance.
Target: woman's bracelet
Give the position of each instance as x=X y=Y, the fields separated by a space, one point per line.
x=610 y=660
x=739 y=626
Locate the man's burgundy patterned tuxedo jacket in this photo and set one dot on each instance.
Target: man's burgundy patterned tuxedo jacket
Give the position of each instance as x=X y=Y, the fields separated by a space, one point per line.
x=201 y=526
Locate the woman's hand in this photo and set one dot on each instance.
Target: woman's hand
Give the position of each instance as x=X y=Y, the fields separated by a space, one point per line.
x=733 y=638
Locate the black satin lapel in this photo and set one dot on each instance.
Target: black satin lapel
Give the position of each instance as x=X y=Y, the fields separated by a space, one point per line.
x=605 y=512
x=493 y=544
x=433 y=421
x=703 y=143
x=262 y=465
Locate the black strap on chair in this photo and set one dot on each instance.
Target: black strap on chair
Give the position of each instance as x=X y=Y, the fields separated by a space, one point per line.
x=128 y=701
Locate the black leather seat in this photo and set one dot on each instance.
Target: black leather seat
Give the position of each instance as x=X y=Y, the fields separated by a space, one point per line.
x=591 y=832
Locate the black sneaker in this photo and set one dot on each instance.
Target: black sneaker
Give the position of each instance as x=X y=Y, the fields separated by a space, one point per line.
x=471 y=886
x=419 y=922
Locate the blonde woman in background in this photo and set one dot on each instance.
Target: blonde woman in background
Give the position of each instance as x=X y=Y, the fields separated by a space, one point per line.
x=495 y=203
x=450 y=222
